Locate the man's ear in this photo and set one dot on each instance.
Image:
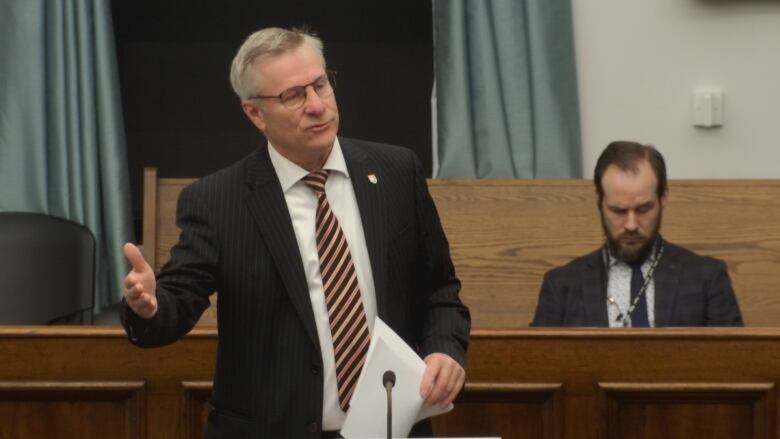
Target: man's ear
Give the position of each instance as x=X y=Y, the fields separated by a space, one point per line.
x=599 y=199
x=665 y=198
x=254 y=113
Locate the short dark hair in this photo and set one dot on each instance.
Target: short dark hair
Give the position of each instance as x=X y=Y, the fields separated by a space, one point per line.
x=627 y=155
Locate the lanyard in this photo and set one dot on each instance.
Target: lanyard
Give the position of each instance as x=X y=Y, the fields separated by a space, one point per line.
x=626 y=318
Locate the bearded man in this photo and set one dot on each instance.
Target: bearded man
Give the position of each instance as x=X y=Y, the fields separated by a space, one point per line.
x=637 y=279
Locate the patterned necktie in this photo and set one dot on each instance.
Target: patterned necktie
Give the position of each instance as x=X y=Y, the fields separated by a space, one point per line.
x=348 y=324
x=639 y=315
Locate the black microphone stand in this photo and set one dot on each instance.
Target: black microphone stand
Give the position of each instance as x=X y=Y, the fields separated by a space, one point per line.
x=388 y=380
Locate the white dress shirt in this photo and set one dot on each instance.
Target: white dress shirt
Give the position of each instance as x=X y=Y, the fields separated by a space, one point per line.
x=619 y=289
x=302 y=205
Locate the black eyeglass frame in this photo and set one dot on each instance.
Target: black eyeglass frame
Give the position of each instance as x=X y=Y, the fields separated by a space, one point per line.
x=330 y=76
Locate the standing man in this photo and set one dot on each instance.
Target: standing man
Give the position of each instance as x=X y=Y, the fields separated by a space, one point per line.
x=307 y=240
x=637 y=278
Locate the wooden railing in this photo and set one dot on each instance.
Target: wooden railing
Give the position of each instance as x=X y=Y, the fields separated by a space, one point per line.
x=58 y=382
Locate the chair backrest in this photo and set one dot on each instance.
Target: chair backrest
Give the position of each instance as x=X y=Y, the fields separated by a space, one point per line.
x=160 y=232
x=47 y=270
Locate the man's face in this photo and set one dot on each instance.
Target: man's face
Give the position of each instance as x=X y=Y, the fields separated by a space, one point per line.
x=305 y=135
x=631 y=211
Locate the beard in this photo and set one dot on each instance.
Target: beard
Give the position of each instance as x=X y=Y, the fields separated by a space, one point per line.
x=631 y=254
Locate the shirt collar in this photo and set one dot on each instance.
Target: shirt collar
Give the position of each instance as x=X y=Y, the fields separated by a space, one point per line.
x=290 y=173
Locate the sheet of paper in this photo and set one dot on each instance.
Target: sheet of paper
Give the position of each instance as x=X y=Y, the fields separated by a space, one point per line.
x=367 y=415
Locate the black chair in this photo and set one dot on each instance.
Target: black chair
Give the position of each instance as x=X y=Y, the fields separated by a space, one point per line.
x=47 y=270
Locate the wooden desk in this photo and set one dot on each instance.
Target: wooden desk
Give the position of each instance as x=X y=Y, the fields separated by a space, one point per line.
x=530 y=383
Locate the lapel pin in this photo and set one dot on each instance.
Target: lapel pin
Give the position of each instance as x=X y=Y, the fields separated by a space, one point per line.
x=372 y=178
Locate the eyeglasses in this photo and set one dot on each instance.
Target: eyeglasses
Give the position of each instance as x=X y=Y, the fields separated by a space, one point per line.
x=294 y=97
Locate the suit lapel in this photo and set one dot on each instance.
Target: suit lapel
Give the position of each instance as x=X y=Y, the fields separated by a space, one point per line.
x=266 y=202
x=369 y=196
x=594 y=291
x=666 y=279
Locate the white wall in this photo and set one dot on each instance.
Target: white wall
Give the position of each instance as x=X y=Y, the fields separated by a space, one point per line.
x=638 y=61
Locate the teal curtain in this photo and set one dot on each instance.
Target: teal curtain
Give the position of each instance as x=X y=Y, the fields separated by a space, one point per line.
x=506 y=89
x=62 y=144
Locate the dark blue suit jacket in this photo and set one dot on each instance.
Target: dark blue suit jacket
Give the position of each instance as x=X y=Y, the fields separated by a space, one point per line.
x=690 y=290
x=237 y=238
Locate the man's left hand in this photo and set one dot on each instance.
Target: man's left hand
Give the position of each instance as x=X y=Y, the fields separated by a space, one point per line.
x=442 y=381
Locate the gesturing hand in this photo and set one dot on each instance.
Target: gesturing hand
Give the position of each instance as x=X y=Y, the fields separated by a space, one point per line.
x=140 y=284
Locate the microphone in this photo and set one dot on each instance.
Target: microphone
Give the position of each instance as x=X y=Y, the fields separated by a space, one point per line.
x=388 y=380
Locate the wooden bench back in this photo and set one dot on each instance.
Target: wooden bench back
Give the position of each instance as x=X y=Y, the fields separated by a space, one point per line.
x=505 y=234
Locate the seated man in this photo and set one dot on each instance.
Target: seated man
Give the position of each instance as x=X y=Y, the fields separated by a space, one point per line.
x=636 y=278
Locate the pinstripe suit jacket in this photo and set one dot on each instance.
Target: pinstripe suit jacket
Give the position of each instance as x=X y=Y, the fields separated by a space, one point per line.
x=237 y=238
x=690 y=290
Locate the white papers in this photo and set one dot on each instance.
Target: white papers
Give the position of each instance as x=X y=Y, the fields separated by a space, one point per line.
x=367 y=415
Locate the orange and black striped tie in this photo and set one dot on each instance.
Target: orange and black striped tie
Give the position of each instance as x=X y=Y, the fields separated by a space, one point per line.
x=348 y=324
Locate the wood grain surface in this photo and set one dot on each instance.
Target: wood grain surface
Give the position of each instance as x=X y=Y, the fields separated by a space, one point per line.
x=505 y=234
x=88 y=382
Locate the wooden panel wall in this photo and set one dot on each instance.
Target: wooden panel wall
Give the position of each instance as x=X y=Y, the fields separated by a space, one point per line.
x=531 y=383
x=505 y=234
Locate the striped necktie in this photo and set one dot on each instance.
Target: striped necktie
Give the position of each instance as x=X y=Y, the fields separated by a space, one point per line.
x=348 y=324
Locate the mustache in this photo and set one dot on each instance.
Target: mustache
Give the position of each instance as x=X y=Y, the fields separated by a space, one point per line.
x=631 y=235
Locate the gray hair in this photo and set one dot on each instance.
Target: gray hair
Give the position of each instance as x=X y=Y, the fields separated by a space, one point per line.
x=266 y=43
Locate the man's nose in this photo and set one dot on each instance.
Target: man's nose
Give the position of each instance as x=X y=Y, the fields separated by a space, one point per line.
x=313 y=103
x=632 y=224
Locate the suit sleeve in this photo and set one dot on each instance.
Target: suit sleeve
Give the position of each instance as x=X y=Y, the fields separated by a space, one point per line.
x=184 y=283
x=446 y=320
x=722 y=305
x=549 y=309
